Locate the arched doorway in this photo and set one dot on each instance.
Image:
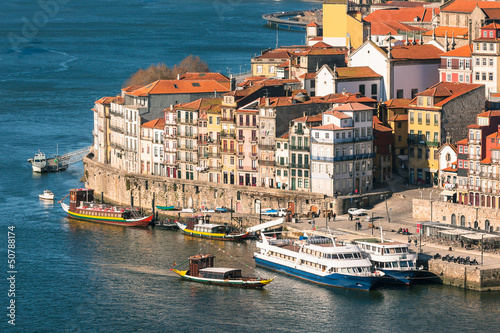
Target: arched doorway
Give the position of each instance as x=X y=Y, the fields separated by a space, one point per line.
x=487 y=225
x=462 y=221
x=453 y=219
x=190 y=202
x=476 y=225
x=257 y=206
x=238 y=207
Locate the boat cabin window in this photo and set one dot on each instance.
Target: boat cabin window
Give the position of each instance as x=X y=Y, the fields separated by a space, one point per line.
x=386 y=251
x=403 y=263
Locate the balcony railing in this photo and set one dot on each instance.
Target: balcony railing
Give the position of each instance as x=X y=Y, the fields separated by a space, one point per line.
x=299 y=131
x=266 y=163
x=116 y=114
x=229 y=151
x=117 y=145
x=422 y=141
x=267 y=147
x=343 y=158
x=241 y=138
x=228 y=134
x=187 y=135
x=299 y=166
x=231 y=119
x=186 y=121
x=241 y=154
x=304 y=148
x=253 y=139
x=116 y=129
x=253 y=155
x=212 y=155
x=245 y=168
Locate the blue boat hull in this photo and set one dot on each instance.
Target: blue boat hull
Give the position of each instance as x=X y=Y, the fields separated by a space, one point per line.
x=332 y=280
x=399 y=277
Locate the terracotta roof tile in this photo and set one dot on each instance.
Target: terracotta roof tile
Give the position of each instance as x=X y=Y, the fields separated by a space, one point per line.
x=467 y=6
x=415 y=52
x=381 y=128
x=356 y=72
x=393 y=27
x=310 y=119
x=156 y=123
x=442 y=89
x=331 y=127
x=399 y=117
x=486 y=161
x=321 y=45
x=401 y=15
x=312 y=24
x=274 y=54
x=441 y=31
x=179 y=87
x=376 y=120
x=464 y=51
x=355 y=106
x=285 y=136
x=106 y=100
x=463 y=142
x=338 y=114
x=397 y=103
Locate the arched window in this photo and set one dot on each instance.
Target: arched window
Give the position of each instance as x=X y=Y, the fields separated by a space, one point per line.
x=476 y=225
x=462 y=221
x=453 y=219
x=487 y=226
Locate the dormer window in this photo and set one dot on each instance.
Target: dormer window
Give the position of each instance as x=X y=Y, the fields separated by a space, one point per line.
x=485 y=33
x=491 y=34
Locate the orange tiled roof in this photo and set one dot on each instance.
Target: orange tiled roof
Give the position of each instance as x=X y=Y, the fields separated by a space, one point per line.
x=106 y=100
x=275 y=54
x=381 y=128
x=492 y=13
x=449 y=90
x=320 y=45
x=467 y=6
x=203 y=76
x=397 y=103
x=285 y=136
x=131 y=88
x=310 y=119
x=415 y=52
x=331 y=127
x=179 y=87
x=463 y=142
x=495 y=135
x=285 y=64
x=312 y=24
x=399 y=117
x=486 y=161
x=356 y=72
x=376 y=120
x=464 y=51
x=393 y=27
x=156 y=123
x=492 y=26
x=402 y=15
x=490 y=113
x=355 y=106
x=308 y=76
x=450 y=169
x=337 y=114
x=442 y=31
x=201 y=103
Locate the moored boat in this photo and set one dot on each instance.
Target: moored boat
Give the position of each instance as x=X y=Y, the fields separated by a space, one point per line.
x=320 y=260
x=47 y=195
x=201 y=269
x=39 y=163
x=81 y=206
x=393 y=258
x=165 y=207
x=200 y=226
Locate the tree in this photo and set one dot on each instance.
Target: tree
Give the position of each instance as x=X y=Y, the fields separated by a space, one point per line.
x=162 y=72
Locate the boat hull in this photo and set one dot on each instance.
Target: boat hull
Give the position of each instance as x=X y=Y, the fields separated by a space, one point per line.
x=211 y=235
x=399 y=277
x=332 y=280
x=143 y=222
x=165 y=207
x=253 y=284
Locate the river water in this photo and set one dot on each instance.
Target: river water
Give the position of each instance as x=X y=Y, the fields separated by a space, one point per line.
x=77 y=276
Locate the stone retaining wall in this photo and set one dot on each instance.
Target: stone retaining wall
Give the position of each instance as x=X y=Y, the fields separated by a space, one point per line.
x=441 y=211
x=122 y=188
x=467 y=277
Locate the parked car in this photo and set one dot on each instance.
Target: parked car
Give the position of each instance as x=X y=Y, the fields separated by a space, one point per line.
x=357 y=211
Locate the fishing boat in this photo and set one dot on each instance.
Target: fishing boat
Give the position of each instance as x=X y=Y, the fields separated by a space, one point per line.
x=81 y=206
x=201 y=269
x=318 y=259
x=200 y=226
x=165 y=207
x=39 y=162
x=47 y=195
x=393 y=258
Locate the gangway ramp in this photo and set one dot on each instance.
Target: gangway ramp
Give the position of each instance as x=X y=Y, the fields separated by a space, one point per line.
x=266 y=225
x=74 y=156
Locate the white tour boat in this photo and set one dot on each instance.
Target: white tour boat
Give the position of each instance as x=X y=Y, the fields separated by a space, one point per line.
x=391 y=257
x=318 y=259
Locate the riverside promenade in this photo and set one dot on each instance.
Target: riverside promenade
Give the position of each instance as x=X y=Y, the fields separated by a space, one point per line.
x=399 y=207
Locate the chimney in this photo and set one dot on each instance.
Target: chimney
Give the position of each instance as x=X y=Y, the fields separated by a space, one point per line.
x=469 y=28
x=171 y=107
x=215 y=93
x=178 y=76
x=413 y=42
x=421 y=38
x=266 y=101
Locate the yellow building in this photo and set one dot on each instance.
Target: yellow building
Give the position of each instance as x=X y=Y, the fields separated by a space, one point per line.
x=399 y=125
x=267 y=63
x=341 y=24
x=444 y=109
x=214 y=151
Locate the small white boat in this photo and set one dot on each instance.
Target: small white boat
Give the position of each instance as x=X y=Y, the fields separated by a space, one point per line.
x=187 y=210
x=47 y=195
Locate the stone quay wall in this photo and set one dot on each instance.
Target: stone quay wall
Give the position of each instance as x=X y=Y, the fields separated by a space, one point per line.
x=442 y=211
x=122 y=188
x=467 y=277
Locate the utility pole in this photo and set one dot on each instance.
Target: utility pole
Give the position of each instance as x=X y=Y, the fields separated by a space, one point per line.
x=387 y=210
x=231 y=210
x=482 y=248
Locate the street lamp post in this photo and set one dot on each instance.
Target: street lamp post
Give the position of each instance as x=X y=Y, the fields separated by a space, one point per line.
x=482 y=248
x=373 y=226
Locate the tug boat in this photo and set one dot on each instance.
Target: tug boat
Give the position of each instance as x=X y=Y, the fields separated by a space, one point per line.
x=200 y=226
x=393 y=258
x=81 y=206
x=318 y=259
x=201 y=269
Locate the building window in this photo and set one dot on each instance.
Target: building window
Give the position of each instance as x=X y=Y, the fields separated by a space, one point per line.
x=477 y=62
x=490 y=76
x=448 y=77
x=490 y=60
x=374 y=89
x=414 y=92
x=461 y=63
x=491 y=34
x=362 y=89
x=461 y=78
x=492 y=47
x=271 y=69
x=483 y=76
x=484 y=61
x=477 y=76
x=461 y=149
x=259 y=69
x=419 y=117
x=467 y=63
x=427 y=118
x=460 y=164
x=436 y=119
x=448 y=63
x=467 y=78
x=399 y=93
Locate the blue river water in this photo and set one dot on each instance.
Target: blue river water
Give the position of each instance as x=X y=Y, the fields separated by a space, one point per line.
x=56 y=58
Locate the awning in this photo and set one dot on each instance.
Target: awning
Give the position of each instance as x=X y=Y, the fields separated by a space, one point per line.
x=266 y=225
x=448 y=193
x=403 y=157
x=478 y=236
x=456 y=232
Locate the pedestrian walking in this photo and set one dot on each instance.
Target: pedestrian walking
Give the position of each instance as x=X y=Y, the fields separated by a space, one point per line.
x=334 y=216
